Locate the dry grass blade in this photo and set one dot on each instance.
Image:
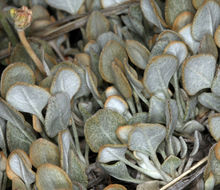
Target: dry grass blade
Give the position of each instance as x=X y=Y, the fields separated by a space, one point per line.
x=201 y=162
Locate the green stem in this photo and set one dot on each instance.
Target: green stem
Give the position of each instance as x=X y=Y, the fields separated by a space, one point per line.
x=135 y=166
x=8 y=30
x=44 y=135
x=170 y=146
x=130 y=155
x=76 y=138
x=176 y=87
x=131 y=105
x=137 y=101
x=141 y=96
x=155 y=160
x=28 y=186
x=87 y=154
x=183 y=105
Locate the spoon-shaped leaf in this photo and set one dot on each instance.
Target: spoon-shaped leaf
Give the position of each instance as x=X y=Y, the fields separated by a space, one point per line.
x=116 y=103
x=185 y=32
x=159 y=72
x=137 y=53
x=206 y=20
x=107 y=36
x=32 y=99
x=17 y=138
x=175 y=7
x=82 y=59
x=8 y=113
x=49 y=176
x=207 y=45
x=158 y=47
x=109 y=152
x=92 y=84
x=111 y=91
x=69 y=161
x=198 y=72
x=17 y=72
x=123 y=131
x=121 y=81
x=66 y=80
x=182 y=20
x=177 y=49
x=58 y=114
x=100 y=128
x=152 y=13
x=191 y=126
x=169 y=35
x=119 y=171
x=43 y=151
x=110 y=52
x=70 y=6
x=145 y=163
x=171 y=164
x=96 y=25
x=146 y=138
x=19 y=164
x=209 y=100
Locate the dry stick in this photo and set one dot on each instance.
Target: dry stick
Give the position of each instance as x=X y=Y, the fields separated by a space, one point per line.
x=49 y=34
x=185 y=173
x=30 y=51
x=183 y=183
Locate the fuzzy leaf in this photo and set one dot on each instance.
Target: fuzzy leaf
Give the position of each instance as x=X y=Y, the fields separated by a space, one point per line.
x=49 y=176
x=206 y=20
x=100 y=128
x=17 y=162
x=146 y=138
x=32 y=99
x=58 y=114
x=43 y=151
x=66 y=80
x=108 y=153
x=16 y=72
x=159 y=72
x=198 y=73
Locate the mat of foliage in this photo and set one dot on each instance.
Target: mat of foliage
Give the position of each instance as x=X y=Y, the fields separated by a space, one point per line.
x=106 y=94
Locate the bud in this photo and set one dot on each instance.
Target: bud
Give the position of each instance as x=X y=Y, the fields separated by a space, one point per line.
x=22 y=17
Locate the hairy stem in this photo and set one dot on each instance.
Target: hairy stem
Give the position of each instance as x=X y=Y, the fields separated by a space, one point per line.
x=30 y=51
